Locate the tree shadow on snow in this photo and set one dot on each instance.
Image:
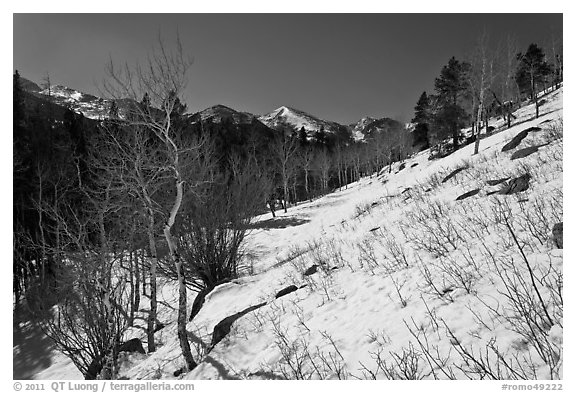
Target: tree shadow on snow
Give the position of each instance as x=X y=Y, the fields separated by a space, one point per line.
x=32 y=349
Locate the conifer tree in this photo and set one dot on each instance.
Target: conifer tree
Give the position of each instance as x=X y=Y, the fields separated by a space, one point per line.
x=422 y=120
x=531 y=72
x=451 y=90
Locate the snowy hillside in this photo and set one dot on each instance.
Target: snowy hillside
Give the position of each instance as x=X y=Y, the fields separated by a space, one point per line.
x=438 y=269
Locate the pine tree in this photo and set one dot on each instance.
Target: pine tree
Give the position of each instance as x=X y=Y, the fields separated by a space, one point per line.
x=531 y=72
x=422 y=120
x=451 y=90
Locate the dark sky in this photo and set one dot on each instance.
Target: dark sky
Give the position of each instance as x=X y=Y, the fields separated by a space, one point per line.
x=338 y=67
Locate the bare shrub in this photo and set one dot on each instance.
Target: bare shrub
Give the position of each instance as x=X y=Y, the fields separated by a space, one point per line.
x=437 y=232
x=404 y=365
x=363 y=209
x=300 y=362
x=555 y=131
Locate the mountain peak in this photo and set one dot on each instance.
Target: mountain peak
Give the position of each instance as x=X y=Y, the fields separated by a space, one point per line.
x=286 y=116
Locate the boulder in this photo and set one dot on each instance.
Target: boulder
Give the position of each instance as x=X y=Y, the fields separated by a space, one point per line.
x=286 y=291
x=413 y=165
x=199 y=302
x=557 y=235
x=515 y=141
x=131 y=346
x=453 y=173
x=402 y=166
x=524 y=152
x=311 y=270
x=223 y=327
x=490 y=129
x=468 y=194
x=518 y=184
x=497 y=181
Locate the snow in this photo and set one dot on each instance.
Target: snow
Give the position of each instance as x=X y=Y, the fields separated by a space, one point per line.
x=364 y=307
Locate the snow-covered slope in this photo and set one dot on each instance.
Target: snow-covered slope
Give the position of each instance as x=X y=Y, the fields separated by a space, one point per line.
x=407 y=277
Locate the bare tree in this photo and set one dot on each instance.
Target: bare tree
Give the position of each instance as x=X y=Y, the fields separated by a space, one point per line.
x=284 y=149
x=307 y=159
x=161 y=81
x=89 y=289
x=322 y=165
x=481 y=79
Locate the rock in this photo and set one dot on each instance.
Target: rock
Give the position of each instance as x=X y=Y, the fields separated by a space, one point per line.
x=374 y=229
x=199 y=302
x=311 y=270
x=223 y=327
x=286 y=291
x=515 y=141
x=497 y=181
x=468 y=194
x=178 y=372
x=413 y=165
x=557 y=235
x=490 y=129
x=516 y=185
x=402 y=166
x=131 y=346
x=453 y=173
x=524 y=152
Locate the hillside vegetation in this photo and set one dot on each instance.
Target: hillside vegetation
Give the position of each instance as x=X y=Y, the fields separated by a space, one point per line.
x=434 y=269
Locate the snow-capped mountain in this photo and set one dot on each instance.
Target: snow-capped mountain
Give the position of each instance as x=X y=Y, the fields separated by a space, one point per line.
x=359 y=127
x=90 y=106
x=296 y=119
x=368 y=125
x=221 y=113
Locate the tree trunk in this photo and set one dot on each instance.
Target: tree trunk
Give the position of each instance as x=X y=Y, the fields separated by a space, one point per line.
x=153 y=297
x=479 y=122
x=285 y=194
x=182 y=301
x=306 y=183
